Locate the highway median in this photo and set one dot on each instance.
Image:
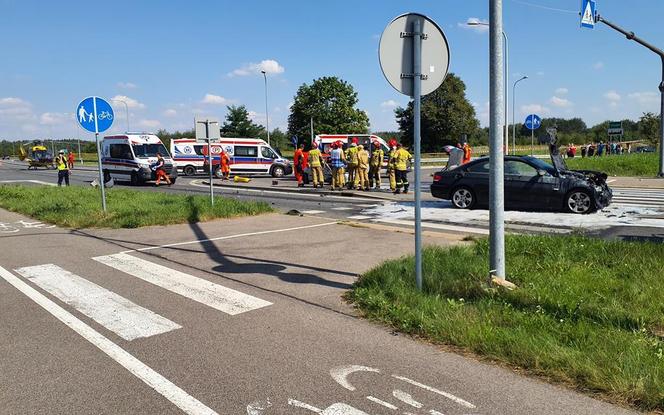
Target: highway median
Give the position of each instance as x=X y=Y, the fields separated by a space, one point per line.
x=80 y=207
x=586 y=313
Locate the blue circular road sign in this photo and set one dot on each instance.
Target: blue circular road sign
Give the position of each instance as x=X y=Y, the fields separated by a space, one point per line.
x=533 y=122
x=94 y=114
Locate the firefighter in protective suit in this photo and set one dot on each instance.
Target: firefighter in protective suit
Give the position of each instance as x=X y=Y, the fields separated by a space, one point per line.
x=401 y=157
x=351 y=164
x=375 y=164
x=362 y=168
x=391 y=170
x=316 y=163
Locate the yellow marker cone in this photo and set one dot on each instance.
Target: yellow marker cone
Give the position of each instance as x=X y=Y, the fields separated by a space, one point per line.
x=238 y=179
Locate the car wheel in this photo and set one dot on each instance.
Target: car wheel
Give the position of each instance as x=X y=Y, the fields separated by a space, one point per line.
x=579 y=201
x=189 y=170
x=134 y=179
x=107 y=176
x=218 y=174
x=277 y=171
x=463 y=198
x=173 y=180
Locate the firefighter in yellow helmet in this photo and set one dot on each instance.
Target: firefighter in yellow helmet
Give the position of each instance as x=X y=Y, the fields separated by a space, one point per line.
x=391 y=161
x=351 y=163
x=362 y=168
x=401 y=159
x=316 y=164
x=375 y=165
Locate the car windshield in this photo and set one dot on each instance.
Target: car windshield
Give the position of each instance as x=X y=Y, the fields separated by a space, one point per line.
x=541 y=165
x=149 y=150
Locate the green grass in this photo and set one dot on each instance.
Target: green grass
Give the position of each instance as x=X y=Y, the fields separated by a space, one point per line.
x=80 y=207
x=587 y=312
x=643 y=164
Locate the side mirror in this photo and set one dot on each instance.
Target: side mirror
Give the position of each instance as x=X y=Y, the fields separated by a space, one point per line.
x=541 y=172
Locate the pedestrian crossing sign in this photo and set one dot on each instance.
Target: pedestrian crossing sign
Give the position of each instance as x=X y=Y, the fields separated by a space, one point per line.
x=588 y=14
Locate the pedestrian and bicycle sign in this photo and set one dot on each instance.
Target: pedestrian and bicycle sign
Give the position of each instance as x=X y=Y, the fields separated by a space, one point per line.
x=94 y=114
x=533 y=122
x=588 y=8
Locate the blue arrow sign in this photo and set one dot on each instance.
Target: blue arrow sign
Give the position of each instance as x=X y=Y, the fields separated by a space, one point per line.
x=533 y=122
x=94 y=114
x=588 y=14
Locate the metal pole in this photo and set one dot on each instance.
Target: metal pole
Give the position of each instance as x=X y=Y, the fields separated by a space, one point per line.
x=506 y=86
x=514 y=112
x=267 y=116
x=417 y=95
x=207 y=134
x=532 y=142
x=311 y=120
x=496 y=178
x=80 y=158
x=101 y=173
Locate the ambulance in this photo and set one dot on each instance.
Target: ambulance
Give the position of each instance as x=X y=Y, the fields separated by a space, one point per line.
x=247 y=155
x=129 y=157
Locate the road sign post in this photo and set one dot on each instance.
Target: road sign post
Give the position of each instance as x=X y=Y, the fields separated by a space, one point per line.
x=96 y=115
x=409 y=43
x=533 y=122
x=207 y=130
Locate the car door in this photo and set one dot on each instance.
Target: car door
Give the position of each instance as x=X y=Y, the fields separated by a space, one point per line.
x=526 y=188
x=475 y=177
x=245 y=159
x=267 y=158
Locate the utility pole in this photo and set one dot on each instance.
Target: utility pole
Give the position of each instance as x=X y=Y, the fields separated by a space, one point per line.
x=632 y=36
x=267 y=116
x=496 y=160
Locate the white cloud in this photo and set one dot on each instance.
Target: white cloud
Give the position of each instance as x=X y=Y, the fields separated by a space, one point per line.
x=55 y=118
x=479 y=28
x=12 y=102
x=534 y=109
x=562 y=91
x=612 y=96
x=127 y=85
x=598 y=65
x=270 y=66
x=16 y=109
x=151 y=124
x=170 y=113
x=215 y=100
x=131 y=102
x=390 y=103
x=560 y=102
x=645 y=98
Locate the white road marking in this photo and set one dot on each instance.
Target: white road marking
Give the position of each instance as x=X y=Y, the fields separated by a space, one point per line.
x=203 y=291
x=312 y=212
x=434 y=412
x=28 y=181
x=187 y=403
x=258 y=407
x=439 y=392
x=342 y=208
x=298 y=404
x=359 y=217
x=367 y=206
x=610 y=181
x=406 y=398
x=127 y=319
x=340 y=374
x=425 y=224
x=222 y=238
x=383 y=403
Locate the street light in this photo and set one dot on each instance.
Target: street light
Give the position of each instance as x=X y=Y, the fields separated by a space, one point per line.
x=267 y=116
x=514 y=111
x=507 y=80
x=126 y=110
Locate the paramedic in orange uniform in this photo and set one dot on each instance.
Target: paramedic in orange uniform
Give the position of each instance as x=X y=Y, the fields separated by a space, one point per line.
x=298 y=161
x=225 y=165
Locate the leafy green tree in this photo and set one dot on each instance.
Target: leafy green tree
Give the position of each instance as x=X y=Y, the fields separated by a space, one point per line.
x=238 y=124
x=446 y=116
x=166 y=136
x=649 y=127
x=278 y=139
x=330 y=102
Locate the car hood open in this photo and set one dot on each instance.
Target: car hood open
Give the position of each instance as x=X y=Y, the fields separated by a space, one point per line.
x=559 y=164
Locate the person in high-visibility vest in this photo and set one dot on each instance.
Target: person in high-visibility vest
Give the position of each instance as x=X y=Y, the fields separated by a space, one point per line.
x=316 y=163
x=391 y=171
x=225 y=165
x=374 y=166
x=351 y=160
x=63 y=168
x=298 y=163
x=337 y=162
x=362 y=168
x=401 y=157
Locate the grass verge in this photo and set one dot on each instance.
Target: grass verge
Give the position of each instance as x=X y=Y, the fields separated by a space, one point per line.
x=643 y=164
x=587 y=312
x=80 y=207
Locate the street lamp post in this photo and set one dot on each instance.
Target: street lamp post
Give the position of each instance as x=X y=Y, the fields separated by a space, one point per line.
x=267 y=116
x=506 y=127
x=514 y=112
x=126 y=110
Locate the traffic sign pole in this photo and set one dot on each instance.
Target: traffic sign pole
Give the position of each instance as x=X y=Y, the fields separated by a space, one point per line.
x=532 y=143
x=101 y=173
x=417 y=91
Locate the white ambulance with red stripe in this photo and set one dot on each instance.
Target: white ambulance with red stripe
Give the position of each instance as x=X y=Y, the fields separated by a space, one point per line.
x=129 y=157
x=247 y=156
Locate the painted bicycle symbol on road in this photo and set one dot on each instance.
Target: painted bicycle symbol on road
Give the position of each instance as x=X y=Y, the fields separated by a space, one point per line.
x=14 y=227
x=409 y=397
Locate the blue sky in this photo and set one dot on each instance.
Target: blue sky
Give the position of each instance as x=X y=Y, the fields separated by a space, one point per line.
x=172 y=60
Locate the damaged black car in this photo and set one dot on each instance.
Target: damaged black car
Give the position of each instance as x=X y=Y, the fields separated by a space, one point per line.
x=530 y=184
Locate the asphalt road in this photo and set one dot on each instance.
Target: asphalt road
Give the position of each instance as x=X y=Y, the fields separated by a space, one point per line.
x=240 y=316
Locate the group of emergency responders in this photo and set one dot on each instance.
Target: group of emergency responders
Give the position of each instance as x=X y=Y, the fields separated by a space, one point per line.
x=363 y=168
